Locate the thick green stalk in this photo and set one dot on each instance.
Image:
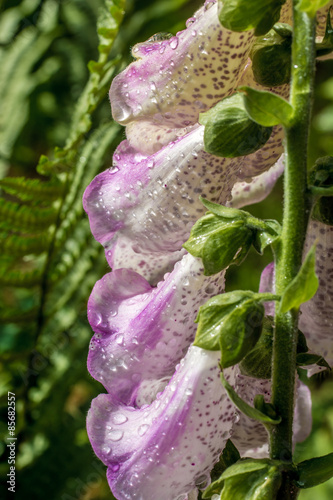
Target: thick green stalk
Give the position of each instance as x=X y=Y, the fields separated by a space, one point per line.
x=295 y=219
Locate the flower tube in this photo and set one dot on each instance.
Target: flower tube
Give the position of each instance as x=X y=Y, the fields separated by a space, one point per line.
x=141 y=333
x=167 y=448
x=316 y=319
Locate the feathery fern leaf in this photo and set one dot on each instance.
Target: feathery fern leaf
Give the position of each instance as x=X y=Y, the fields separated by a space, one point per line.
x=23 y=244
x=32 y=189
x=25 y=217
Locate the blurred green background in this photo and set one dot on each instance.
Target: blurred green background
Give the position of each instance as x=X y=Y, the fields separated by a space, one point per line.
x=45 y=47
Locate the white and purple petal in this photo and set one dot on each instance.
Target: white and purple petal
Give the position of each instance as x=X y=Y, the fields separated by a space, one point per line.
x=142 y=332
x=316 y=319
x=147 y=205
x=249 y=435
x=167 y=448
x=174 y=80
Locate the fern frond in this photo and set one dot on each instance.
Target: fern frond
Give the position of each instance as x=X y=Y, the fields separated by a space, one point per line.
x=18 y=78
x=94 y=92
x=74 y=274
x=27 y=217
x=11 y=315
x=32 y=189
x=24 y=245
x=19 y=278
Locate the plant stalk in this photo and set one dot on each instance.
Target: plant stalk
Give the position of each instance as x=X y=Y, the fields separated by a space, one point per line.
x=289 y=249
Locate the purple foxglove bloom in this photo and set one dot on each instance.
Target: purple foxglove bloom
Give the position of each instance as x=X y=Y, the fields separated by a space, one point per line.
x=145 y=206
x=250 y=436
x=141 y=332
x=165 y=449
x=316 y=319
x=316 y=315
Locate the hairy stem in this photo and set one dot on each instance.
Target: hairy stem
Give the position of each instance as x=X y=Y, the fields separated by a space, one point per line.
x=295 y=219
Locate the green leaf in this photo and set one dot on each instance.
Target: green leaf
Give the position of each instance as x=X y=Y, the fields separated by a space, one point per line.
x=248 y=410
x=265 y=108
x=229 y=132
x=303 y=287
x=311 y=6
x=271 y=56
x=243 y=15
x=314 y=471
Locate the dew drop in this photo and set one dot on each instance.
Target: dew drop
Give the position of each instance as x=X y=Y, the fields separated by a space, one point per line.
x=143 y=429
x=119 y=418
x=120 y=339
x=113 y=170
x=150 y=163
x=116 y=435
x=174 y=43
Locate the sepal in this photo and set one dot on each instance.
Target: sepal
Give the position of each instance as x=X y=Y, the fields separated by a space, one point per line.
x=303 y=287
x=243 y=15
x=321 y=187
x=229 y=132
x=258 y=362
x=266 y=108
x=231 y=322
x=248 y=410
x=271 y=56
x=248 y=479
x=326 y=45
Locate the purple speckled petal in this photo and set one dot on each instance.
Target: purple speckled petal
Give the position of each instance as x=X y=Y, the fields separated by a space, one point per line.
x=167 y=448
x=267 y=286
x=247 y=193
x=250 y=436
x=174 y=80
x=141 y=332
x=147 y=205
x=316 y=319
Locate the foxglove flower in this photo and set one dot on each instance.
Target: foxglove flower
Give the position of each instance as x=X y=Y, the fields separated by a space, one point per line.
x=165 y=449
x=143 y=208
x=166 y=416
x=316 y=319
x=141 y=332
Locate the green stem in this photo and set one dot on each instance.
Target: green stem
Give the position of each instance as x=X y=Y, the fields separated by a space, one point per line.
x=295 y=219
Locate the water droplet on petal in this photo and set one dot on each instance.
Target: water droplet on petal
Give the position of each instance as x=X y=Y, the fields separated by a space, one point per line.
x=143 y=429
x=174 y=43
x=116 y=435
x=106 y=449
x=119 y=418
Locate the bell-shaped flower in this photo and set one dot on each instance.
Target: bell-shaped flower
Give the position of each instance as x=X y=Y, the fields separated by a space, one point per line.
x=165 y=449
x=142 y=332
x=250 y=436
x=316 y=319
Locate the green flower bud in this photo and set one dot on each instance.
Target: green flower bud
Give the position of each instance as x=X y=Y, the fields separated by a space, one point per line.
x=271 y=57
